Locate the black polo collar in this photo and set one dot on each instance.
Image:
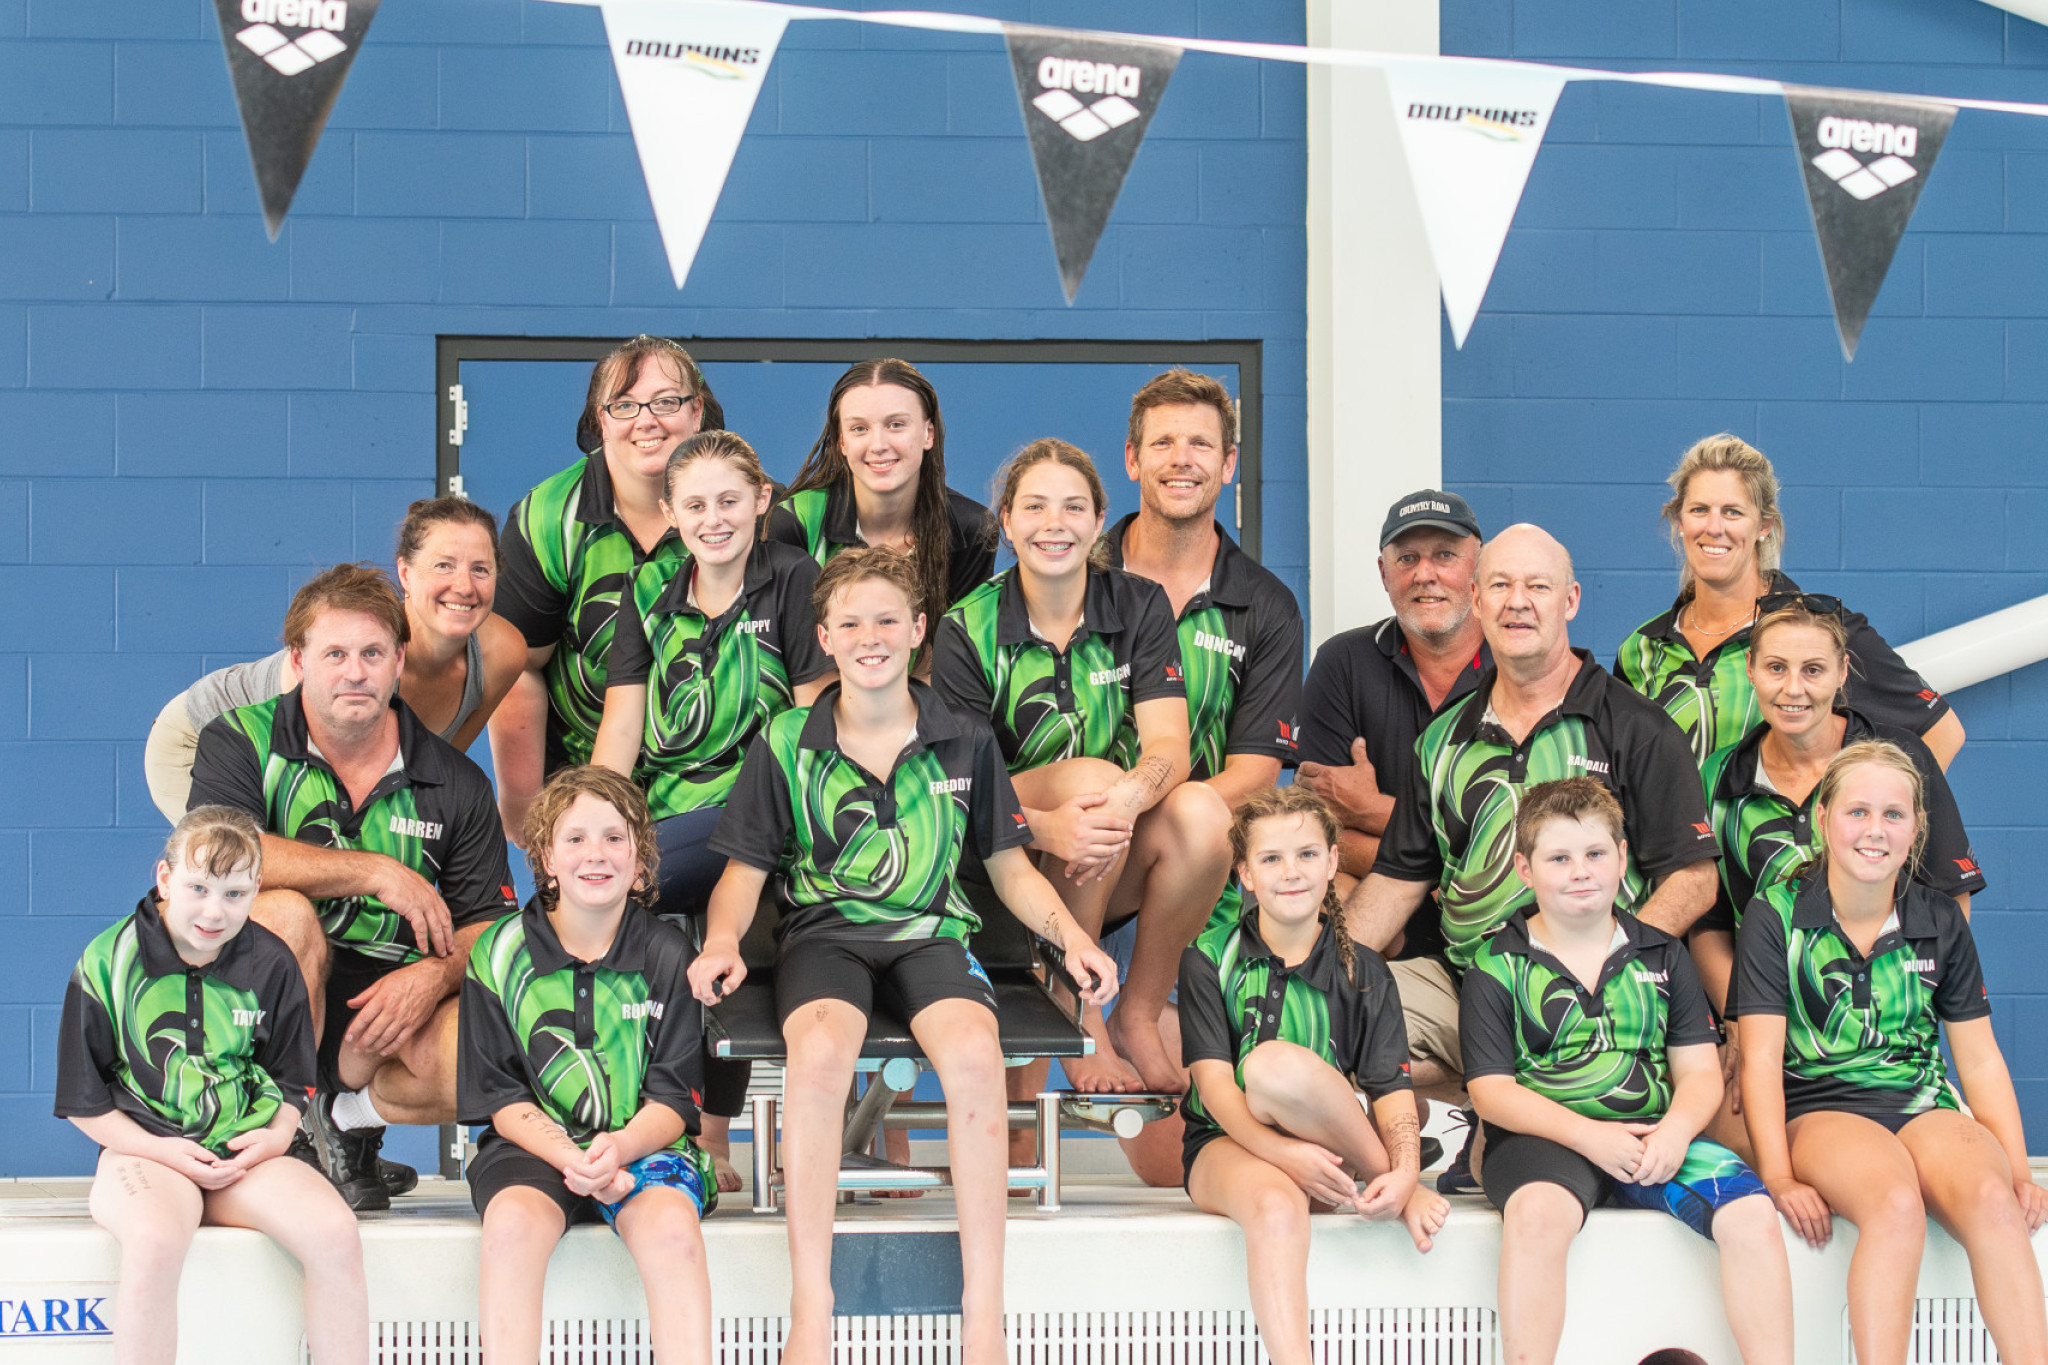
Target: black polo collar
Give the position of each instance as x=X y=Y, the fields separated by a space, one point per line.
x=1584 y=698
x=1513 y=937
x=1665 y=627
x=1230 y=576
x=628 y=953
x=424 y=764
x=1739 y=774
x=160 y=954
x=935 y=720
x=598 y=505
x=1814 y=908
x=1323 y=968
x=1099 y=614
x=676 y=596
x=842 y=512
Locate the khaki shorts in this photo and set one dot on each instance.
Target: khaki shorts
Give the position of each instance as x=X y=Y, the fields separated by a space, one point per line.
x=1429 y=1005
x=167 y=759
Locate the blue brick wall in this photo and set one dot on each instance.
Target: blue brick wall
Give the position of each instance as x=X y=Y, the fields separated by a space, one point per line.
x=191 y=417
x=1662 y=283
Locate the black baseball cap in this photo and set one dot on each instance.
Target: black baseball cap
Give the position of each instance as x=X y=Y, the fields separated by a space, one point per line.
x=1429 y=507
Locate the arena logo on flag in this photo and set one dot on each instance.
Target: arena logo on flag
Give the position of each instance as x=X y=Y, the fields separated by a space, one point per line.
x=1087 y=103
x=1864 y=160
x=1059 y=77
x=287 y=60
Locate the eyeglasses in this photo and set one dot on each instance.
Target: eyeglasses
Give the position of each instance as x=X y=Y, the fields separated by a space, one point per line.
x=626 y=409
x=1819 y=603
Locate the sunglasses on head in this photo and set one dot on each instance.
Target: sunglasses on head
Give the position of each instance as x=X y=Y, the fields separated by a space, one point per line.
x=1819 y=603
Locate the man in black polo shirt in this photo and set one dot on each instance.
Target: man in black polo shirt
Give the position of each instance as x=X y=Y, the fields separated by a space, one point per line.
x=1240 y=638
x=1371 y=690
x=1543 y=711
x=383 y=861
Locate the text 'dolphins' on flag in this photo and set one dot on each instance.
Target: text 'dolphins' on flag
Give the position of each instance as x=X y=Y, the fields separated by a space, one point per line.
x=690 y=75
x=287 y=60
x=1470 y=135
x=1864 y=161
x=1087 y=104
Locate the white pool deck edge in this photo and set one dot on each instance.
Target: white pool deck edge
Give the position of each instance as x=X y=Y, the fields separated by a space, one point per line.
x=1638 y=1280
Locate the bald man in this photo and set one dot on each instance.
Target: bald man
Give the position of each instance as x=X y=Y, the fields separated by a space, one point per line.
x=1543 y=711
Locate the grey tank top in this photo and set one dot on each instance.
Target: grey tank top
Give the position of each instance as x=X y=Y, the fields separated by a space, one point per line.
x=224 y=689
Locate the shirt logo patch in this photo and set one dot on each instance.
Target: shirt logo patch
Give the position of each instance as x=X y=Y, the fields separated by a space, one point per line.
x=1218 y=644
x=644 y=1009
x=1705 y=831
x=1967 y=866
x=247 y=1018
x=418 y=829
x=1102 y=677
x=1017 y=816
x=1287 y=735
x=951 y=785
x=1929 y=695
x=1591 y=765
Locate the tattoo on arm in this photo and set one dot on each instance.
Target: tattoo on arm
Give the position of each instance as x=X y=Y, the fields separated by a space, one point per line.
x=542 y=1126
x=1151 y=773
x=1404 y=1141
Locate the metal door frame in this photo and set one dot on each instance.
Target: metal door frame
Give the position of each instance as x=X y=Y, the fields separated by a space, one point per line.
x=451 y=351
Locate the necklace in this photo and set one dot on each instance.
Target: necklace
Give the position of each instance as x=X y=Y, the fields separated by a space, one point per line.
x=1693 y=616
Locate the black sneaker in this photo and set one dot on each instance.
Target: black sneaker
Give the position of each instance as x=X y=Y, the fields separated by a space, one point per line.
x=398 y=1177
x=1456 y=1178
x=1432 y=1152
x=348 y=1159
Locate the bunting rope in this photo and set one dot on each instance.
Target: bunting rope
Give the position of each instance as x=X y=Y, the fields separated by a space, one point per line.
x=1323 y=56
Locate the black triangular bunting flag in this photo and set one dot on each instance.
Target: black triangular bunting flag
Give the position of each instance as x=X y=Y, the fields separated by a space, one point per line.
x=288 y=59
x=1864 y=160
x=1087 y=104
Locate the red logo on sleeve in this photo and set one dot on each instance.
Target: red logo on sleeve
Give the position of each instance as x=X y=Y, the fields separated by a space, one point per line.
x=1174 y=673
x=1968 y=867
x=506 y=891
x=1287 y=734
x=1018 y=816
x=1706 y=831
x=1929 y=695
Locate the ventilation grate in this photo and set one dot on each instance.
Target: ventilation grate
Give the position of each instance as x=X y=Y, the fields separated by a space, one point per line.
x=1945 y=1332
x=1341 y=1336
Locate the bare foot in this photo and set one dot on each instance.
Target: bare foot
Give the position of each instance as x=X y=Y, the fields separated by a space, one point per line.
x=727 y=1175
x=716 y=1138
x=1140 y=1041
x=896 y=1148
x=1424 y=1213
x=1105 y=1072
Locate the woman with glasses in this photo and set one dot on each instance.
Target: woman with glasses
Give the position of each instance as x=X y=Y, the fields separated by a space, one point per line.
x=1724 y=520
x=571 y=548
x=877 y=476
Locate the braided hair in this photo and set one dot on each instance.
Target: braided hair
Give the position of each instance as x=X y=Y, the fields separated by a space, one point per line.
x=1283 y=801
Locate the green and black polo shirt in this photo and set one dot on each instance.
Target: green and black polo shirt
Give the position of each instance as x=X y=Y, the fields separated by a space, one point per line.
x=1766 y=837
x=1713 y=702
x=1236 y=993
x=587 y=1043
x=205 y=1053
x=1048 y=704
x=712 y=683
x=823 y=521
x=1602 y=1053
x=434 y=811
x=864 y=855
x=1455 y=823
x=565 y=562
x=1862 y=1034
x=1240 y=649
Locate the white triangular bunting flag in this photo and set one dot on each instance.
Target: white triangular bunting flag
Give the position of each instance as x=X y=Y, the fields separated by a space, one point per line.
x=690 y=73
x=1471 y=133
